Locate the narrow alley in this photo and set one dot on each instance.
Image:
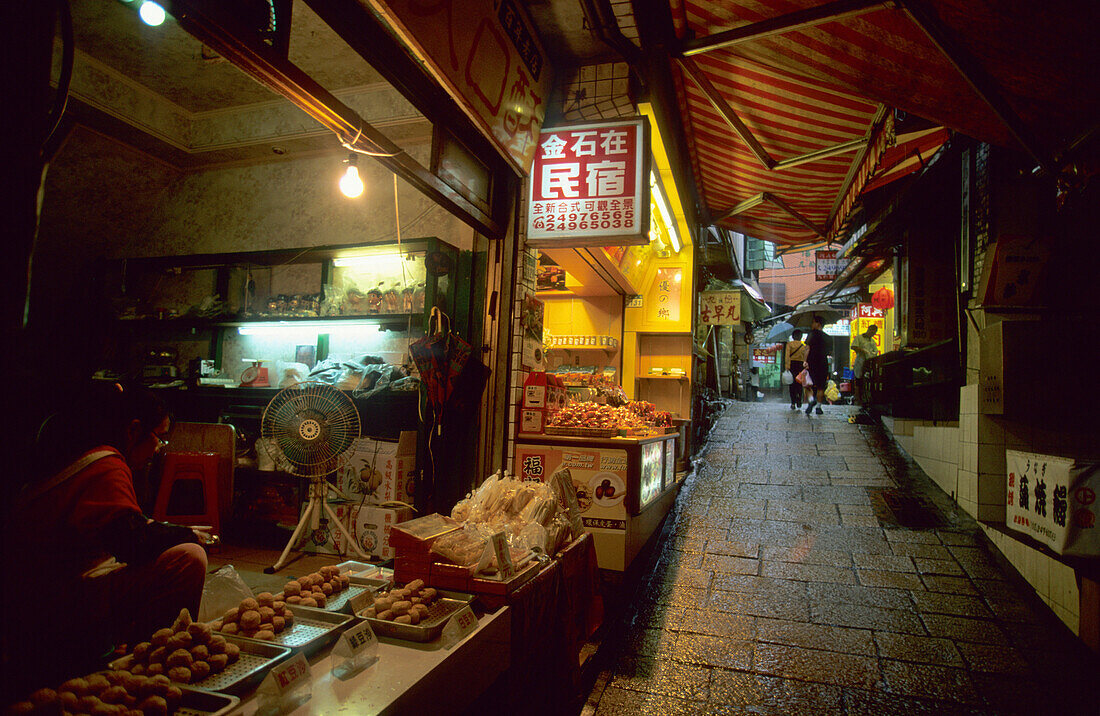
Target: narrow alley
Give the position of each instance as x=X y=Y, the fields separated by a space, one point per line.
x=791 y=583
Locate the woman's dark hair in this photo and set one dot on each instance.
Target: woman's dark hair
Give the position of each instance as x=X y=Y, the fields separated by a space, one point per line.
x=797 y=335
x=93 y=415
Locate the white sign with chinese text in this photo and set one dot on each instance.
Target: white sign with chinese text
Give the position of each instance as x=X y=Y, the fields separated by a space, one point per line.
x=827 y=266
x=720 y=308
x=1053 y=500
x=590 y=185
x=458 y=627
x=292 y=674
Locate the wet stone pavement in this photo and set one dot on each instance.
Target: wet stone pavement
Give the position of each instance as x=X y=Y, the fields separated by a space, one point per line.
x=784 y=586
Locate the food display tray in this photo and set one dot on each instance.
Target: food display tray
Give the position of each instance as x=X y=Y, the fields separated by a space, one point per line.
x=359 y=569
x=196 y=702
x=256 y=659
x=583 y=432
x=430 y=627
x=312 y=629
x=358 y=585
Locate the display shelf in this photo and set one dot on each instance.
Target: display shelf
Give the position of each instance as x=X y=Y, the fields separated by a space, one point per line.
x=610 y=350
x=662 y=377
x=272 y=321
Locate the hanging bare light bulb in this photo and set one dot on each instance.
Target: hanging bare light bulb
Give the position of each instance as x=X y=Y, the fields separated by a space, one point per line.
x=350 y=184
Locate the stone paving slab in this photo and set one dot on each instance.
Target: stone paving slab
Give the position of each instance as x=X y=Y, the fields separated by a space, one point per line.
x=778 y=591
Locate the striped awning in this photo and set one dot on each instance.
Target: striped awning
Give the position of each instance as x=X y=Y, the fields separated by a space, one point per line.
x=788 y=105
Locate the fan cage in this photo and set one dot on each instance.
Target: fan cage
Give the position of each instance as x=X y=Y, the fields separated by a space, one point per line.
x=309 y=428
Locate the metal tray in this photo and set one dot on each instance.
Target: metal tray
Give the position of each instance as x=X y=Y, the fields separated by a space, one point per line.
x=257 y=657
x=204 y=703
x=429 y=628
x=357 y=586
x=312 y=630
x=359 y=569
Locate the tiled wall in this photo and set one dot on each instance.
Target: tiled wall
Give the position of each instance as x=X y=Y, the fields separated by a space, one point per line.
x=1054 y=582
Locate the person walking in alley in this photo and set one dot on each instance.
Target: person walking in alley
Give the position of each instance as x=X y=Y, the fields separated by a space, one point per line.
x=796 y=359
x=865 y=348
x=817 y=362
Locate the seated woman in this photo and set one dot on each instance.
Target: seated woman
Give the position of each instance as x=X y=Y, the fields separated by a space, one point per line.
x=96 y=570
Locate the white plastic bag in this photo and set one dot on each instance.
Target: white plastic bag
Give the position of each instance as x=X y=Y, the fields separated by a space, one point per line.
x=787 y=378
x=222 y=591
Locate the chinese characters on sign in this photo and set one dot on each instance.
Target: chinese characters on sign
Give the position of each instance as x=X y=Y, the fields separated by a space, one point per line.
x=720 y=308
x=866 y=310
x=289 y=675
x=827 y=266
x=1052 y=500
x=763 y=356
x=589 y=186
x=664 y=297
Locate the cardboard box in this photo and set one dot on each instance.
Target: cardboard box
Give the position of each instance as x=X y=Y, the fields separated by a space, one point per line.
x=372 y=526
x=321 y=537
x=380 y=470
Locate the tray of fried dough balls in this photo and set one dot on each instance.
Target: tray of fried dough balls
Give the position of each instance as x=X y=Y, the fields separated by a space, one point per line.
x=268 y=619
x=415 y=612
x=192 y=653
x=328 y=588
x=121 y=692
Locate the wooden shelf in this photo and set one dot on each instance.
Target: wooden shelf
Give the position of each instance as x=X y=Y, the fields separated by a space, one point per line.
x=662 y=377
x=273 y=321
x=574 y=349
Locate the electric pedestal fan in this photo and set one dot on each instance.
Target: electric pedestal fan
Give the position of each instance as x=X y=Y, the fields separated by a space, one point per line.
x=308 y=429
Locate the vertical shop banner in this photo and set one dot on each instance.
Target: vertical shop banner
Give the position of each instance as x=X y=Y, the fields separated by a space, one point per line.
x=590 y=185
x=488 y=56
x=720 y=308
x=1053 y=500
x=599 y=478
x=827 y=266
x=664 y=298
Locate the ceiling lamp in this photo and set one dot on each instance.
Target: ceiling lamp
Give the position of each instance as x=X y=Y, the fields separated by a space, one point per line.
x=151 y=13
x=350 y=184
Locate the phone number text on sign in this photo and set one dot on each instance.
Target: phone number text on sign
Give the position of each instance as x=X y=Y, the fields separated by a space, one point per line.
x=590 y=182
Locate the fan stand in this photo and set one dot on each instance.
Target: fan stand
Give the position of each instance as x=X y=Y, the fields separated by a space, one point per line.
x=318 y=491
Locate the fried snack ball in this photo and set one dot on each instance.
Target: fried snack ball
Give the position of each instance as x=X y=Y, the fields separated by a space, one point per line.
x=142 y=650
x=173 y=694
x=249 y=604
x=87 y=703
x=179 y=657
x=154 y=670
x=404 y=619
x=266 y=613
x=265 y=599
x=182 y=621
x=383 y=603
x=76 y=686
x=416 y=585
x=218 y=662
x=316 y=578
x=292 y=588
x=103 y=709
x=414 y=617
x=293 y=599
x=200 y=652
x=217 y=625
x=154 y=706
x=345 y=581
x=429 y=594
x=308 y=602
x=233 y=652
x=280 y=597
x=181 y=674
x=231 y=629
x=113 y=695
x=421 y=609
x=250 y=619
x=181 y=640
x=321 y=600
x=115 y=676
x=401 y=607
x=158 y=655
x=387 y=615
x=43 y=697
x=416 y=600
x=161 y=637
x=279 y=607
x=266 y=634
x=199 y=670
x=216 y=645
x=231 y=615
x=326 y=588
x=369 y=612
x=278 y=624
x=68 y=700
x=97 y=683
x=288 y=616
x=200 y=633
x=138 y=669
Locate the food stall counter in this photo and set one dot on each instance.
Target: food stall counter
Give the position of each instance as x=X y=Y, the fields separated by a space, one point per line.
x=409 y=677
x=625 y=485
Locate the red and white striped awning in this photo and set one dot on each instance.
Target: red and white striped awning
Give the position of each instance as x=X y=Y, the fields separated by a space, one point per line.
x=788 y=126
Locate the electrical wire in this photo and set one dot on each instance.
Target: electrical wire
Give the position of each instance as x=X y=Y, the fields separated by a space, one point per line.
x=350 y=146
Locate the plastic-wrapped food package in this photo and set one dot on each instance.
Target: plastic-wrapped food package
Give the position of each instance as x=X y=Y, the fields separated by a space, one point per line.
x=463 y=547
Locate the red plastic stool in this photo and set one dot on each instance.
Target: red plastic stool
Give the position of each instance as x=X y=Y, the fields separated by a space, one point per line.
x=188 y=492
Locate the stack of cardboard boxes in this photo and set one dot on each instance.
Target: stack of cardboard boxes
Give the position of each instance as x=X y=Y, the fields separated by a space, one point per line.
x=543 y=394
x=378 y=475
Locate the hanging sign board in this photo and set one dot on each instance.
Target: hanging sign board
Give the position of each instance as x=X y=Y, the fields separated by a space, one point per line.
x=720 y=308
x=590 y=185
x=489 y=58
x=827 y=266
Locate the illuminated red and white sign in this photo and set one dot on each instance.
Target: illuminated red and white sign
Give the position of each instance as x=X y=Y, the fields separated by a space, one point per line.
x=866 y=310
x=590 y=185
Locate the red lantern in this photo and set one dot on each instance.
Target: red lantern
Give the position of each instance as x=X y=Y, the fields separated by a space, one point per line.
x=883 y=299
